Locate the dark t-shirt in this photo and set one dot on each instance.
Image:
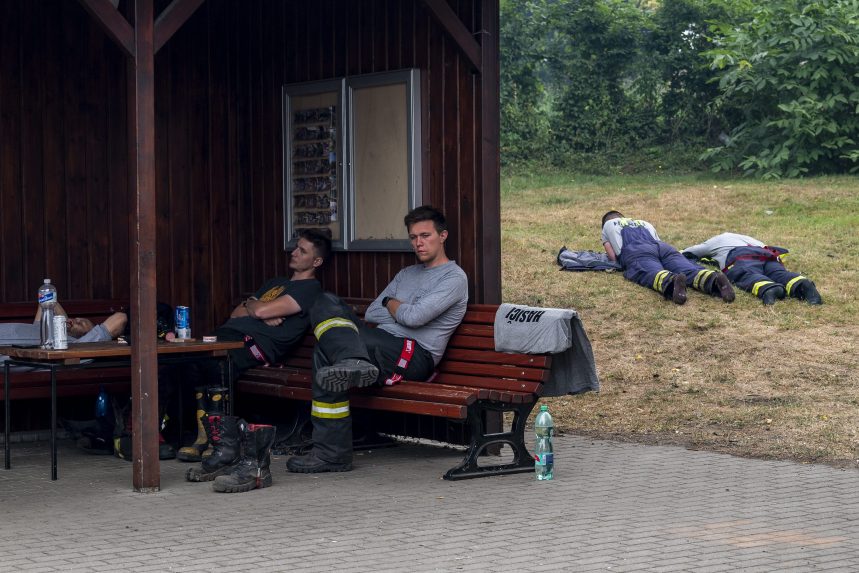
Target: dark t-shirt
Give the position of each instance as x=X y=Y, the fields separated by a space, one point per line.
x=277 y=341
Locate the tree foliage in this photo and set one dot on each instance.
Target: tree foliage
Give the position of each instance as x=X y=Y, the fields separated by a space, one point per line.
x=789 y=75
x=597 y=78
x=525 y=122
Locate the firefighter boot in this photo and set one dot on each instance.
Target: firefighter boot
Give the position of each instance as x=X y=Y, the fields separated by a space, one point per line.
x=226 y=434
x=254 y=469
x=218 y=398
x=330 y=413
x=772 y=294
x=348 y=373
x=194 y=452
x=311 y=464
x=806 y=291
x=341 y=359
x=722 y=287
x=678 y=289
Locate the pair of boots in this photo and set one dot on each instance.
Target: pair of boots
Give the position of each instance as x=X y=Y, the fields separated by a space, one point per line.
x=214 y=404
x=717 y=285
x=805 y=290
x=241 y=455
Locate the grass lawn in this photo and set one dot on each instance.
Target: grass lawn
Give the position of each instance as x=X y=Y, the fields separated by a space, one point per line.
x=778 y=382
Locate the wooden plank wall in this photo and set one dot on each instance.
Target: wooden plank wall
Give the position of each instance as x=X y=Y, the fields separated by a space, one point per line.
x=63 y=203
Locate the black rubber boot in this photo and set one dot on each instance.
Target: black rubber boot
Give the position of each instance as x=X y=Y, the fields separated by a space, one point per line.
x=772 y=294
x=808 y=292
x=347 y=373
x=194 y=452
x=217 y=401
x=722 y=288
x=254 y=469
x=678 y=289
x=342 y=359
x=226 y=434
x=310 y=464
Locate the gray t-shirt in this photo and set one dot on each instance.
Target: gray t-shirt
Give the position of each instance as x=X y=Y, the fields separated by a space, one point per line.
x=613 y=227
x=720 y=246
x=433 y=304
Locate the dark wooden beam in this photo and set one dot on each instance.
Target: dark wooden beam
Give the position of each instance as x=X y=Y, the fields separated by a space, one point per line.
x=172 y=18
x=490 y=139
x=112 y=22
x=456 y=30
x=146 y=473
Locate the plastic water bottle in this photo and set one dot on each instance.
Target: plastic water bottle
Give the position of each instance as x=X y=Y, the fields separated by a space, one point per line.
x=101 y=404
x=544 y=457
x=47 y=301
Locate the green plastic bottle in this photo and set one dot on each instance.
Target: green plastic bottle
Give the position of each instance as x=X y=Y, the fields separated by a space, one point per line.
x=544 y=456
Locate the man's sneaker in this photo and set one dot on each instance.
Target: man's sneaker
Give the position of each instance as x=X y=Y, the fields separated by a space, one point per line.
x=345 y=374
x=723 y=285
x=809 y=293
x=678 y=291
x=772 y=294
x=310 y=464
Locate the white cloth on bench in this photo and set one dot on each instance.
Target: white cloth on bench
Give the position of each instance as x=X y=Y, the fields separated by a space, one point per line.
x=555 y=331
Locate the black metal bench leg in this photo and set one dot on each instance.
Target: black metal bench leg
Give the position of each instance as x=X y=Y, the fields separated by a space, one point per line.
x=7 y=453
x=480 y=440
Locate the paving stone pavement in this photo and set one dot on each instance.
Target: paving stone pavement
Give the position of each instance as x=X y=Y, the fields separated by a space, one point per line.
x=611 y=507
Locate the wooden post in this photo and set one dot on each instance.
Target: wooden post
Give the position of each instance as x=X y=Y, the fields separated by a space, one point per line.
x=140 y=43
x=141 y=158
x=490 y=137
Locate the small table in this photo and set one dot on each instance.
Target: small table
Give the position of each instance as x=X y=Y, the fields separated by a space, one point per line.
x=98 y=355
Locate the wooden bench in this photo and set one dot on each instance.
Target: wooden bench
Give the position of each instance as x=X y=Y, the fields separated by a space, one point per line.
x=37 y=384
x=472 y=380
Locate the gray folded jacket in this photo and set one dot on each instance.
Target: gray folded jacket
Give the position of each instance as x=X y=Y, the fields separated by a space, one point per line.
x=555 y=331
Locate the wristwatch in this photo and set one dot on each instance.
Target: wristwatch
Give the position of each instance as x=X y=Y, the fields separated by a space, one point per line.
x=385 y=301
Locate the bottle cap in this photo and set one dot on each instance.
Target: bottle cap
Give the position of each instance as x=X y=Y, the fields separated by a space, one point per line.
x=544 y=408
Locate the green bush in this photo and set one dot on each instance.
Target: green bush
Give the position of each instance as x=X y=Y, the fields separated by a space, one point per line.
x=789 y=76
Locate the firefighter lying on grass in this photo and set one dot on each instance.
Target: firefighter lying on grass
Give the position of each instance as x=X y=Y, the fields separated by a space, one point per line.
x=654 y=264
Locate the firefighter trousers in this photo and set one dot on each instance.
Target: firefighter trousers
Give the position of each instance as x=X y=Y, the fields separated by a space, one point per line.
x=758 y=275
x=342 y=336
x=653 y=264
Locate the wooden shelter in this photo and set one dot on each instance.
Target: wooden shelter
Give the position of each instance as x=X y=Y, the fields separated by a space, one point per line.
x=142 y=148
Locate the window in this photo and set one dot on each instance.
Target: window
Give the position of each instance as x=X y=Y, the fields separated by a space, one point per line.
x=356 y=183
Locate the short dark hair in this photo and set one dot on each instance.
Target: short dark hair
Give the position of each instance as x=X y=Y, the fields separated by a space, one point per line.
x=426 y=213
x=611 y=215
x=321 y=243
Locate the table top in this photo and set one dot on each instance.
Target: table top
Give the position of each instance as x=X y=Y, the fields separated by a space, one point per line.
x=87 y=350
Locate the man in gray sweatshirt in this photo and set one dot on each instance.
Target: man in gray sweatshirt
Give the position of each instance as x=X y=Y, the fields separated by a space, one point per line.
x=755 y=267
x=416 y=315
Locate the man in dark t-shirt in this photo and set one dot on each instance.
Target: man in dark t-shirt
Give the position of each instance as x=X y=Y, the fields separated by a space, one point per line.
x=270 y=323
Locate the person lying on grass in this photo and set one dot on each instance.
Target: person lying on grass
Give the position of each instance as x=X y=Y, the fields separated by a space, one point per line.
x=655 y=264
x=755 y=268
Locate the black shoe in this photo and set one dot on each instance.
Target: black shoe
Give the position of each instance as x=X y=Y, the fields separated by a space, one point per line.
x=772 y=294
x=809 y=293
x=310 y=464
x=724 y=288
x=166 y=452
x=678 y=291
x=345 y=374
x=95 y=445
